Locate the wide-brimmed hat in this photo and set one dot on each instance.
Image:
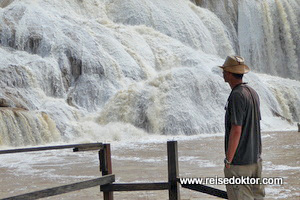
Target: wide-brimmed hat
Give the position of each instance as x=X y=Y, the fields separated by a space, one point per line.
x=235 y=64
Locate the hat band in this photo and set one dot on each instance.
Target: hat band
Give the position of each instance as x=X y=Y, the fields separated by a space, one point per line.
x=233 y=65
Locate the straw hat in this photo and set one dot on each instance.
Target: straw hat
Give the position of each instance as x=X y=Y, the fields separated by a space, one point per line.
x=235 y=64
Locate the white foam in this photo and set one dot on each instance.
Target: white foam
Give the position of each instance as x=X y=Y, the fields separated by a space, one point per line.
x=271 y=166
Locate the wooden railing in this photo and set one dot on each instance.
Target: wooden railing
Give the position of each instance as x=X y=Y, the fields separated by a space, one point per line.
x=76 y=147
x=106 y=182
x=64 y=188
x=173 y=184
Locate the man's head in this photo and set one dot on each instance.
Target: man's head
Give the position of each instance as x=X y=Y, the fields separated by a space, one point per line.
x=229 y=77
x=234 y=69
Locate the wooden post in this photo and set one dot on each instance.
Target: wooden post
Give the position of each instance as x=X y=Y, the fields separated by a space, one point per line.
x=106 y=167
x=173 y=171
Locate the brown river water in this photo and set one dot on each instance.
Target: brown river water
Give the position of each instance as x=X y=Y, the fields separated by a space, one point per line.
x=199 y=156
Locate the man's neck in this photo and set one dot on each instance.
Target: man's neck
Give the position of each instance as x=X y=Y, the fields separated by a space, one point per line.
x=235 y=82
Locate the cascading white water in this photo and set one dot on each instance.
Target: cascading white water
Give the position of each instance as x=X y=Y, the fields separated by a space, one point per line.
x=148 y=65
x=20 y=127
x=267 y=31
x=270 y=47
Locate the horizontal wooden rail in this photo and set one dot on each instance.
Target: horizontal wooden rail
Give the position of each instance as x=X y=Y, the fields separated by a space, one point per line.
x=135 y=186
x=206 y=189
x=65 y=188
x=77 y=147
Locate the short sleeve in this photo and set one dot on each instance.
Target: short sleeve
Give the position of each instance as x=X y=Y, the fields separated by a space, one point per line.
x=237 y=109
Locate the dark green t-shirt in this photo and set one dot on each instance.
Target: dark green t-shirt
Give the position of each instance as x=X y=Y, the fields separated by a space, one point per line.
x=242 y=109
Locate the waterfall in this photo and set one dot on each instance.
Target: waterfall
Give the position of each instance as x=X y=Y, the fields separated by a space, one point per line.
x=79 y=69
x=20 y=127
x=267 y=31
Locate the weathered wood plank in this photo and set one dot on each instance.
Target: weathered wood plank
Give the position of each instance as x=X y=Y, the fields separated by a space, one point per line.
x=22 y=150
x=106 y=167
x=77 y=149
x=134 y=186
x=64 y=189
x=206 y=189
x=173 y=170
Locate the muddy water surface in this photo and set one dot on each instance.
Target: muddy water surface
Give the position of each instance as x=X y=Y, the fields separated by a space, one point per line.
x=147 y=162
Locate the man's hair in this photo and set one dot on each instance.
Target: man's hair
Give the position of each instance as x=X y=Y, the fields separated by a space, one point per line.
x=238 y=76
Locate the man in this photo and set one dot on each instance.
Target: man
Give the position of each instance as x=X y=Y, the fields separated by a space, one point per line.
x=242 y=132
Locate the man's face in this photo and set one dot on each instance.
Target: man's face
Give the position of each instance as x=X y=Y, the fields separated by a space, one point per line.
x=226 y=76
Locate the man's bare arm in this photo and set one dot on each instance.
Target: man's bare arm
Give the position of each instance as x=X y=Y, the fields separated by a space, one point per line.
x=234 y=139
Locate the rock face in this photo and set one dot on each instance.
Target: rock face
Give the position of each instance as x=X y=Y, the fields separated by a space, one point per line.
x=5 y=3
x=12 y=102
x=149 y=64
x=6 y=102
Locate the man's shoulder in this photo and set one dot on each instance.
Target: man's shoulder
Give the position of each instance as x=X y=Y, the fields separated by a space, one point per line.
x=238 y=91
x=243 y=89
x=242 y=92
x=237 y=96
x=251 y=90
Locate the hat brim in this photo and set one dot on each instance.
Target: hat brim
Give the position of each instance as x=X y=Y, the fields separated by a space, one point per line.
x=237 y=69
